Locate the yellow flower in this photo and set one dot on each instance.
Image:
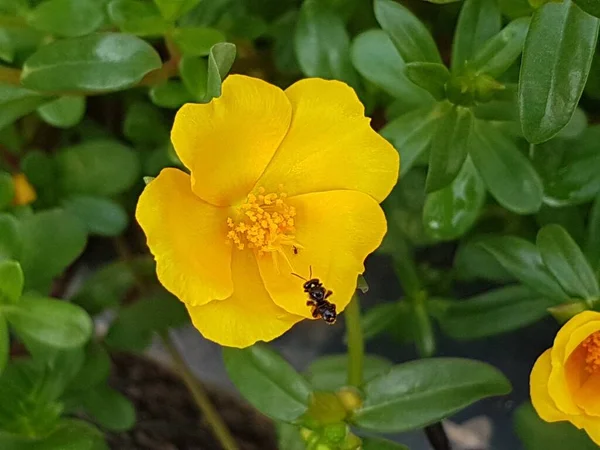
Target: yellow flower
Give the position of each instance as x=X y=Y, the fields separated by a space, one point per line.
x=565 y=381
x=24 y=191
x=281 y=182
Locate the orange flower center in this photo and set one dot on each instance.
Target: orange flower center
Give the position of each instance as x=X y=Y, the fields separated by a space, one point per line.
x=263 y=222
x=592 y=358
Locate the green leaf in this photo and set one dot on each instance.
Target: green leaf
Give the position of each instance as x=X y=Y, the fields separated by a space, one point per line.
x=67 y=18
x=472 y=262
x=10 y=237
x=100 y=216
x=556 y=60
x=289 y=437
x=386 y=317
x=449 y=148
x=171 y=94
x=7 y=190
x=194 y=74
x=173 y=9
x=330 y=372
x=419 y=393
x=372 y=443
x=568 y=217
x=109 y=408
x=522 y=259
x=11 y=282
x=64 y=112
x=106 y=288
x=450 y=212
x=409 y=35
x=592 y=245
x=430 y=76
x=591 y=7
x=422 y=328
x=71 y=434
x=563 y=257
x=494 y=312
x=4 y=344
x=136 y=324
x=537 y=434
x=568 y=168
x=507 y=173
x=478 y=21
x=575 y=127
x=94 y=370
x=137 y=17
x=16 y=102
x=375 y=57
x=267 y=381
x=145 y=125
x=196 y=41
x=99 y=167
x=220 y=60
x=100 y=62
x=52 y=322
x=502 y=50
x=52 y=240
x=411 y=134
x=322 y=43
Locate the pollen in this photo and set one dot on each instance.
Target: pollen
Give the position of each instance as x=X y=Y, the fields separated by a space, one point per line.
x=592 y=358
x=264 y=222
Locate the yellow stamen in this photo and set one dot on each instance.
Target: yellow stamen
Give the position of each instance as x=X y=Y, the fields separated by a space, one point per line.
x=264 y=222
x=592 y=359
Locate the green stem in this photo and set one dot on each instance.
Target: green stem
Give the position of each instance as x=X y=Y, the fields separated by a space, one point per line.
x=197 y=390
x=356 y=343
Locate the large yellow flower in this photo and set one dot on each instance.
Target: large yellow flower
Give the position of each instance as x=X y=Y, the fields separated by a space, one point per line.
x=565 y=381
x=281 y=182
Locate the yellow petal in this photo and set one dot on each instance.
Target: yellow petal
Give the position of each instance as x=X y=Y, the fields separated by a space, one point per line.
x=187 y=237
x=330 y=145
x=24 y=191
x=540 y=397
x=228 y=142
x=592 y=428
x=588 y=396
x=580 y=334
x=559 y=354
x=336 y=231
x=246 y=317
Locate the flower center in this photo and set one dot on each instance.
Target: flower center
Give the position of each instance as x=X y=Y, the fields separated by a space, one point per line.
x=592 y=358
x=263 y=222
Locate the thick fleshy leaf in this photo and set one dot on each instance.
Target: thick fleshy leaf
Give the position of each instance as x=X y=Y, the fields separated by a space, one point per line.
x=507 y=173
x=556 y=60
x=409 y=35
x=591 y=7
x=10 y=237
x=522 y=259
x=372 y=443
x=7 y=190
x=501 y=50
x=72 y=434
x=451 y=211
x=376 y=59
x=99 y=167
x=322 y=43
x=430 y=76
x=51 y=241
x=386 y=318
x=15 y=102
x=479 y=20
x=11 y=282
x=100 y=216
x=137 y=17
x=412 y=133
x=170 y=94
x=592 y=245
x=172 y=9
x=99 y=62
x=472 y=262
x=109 y=408
x=196 y=41
x=267 y=381
x=64 y=112
x=494 y=312
x=145 y=125
x=4 y=344
x=566 y=261
x=449 y=147
x=418 y=393
x=51 y=322
x=330 y=373
x=68 y=18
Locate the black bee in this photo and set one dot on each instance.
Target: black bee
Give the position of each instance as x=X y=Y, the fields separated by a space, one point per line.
x=295 y=249
x=317 y=299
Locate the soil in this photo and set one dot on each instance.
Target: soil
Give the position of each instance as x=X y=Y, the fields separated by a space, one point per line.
x=167 y=417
